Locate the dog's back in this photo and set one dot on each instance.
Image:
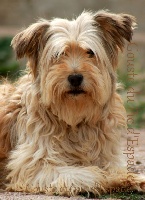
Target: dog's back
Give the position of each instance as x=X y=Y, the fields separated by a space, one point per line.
x=10 y=105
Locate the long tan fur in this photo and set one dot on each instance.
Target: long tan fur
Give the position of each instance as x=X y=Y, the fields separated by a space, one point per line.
x=55 y=141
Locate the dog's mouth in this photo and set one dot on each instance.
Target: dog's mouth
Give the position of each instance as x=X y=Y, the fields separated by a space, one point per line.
x=76 y=92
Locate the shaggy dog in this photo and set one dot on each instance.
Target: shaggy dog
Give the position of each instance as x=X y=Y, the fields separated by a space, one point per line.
x=60 y=123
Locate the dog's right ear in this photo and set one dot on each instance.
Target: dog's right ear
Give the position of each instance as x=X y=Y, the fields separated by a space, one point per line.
x=114 y=29
x=30 y=42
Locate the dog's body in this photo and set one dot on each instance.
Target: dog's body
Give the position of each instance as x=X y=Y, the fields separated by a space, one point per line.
x=60 y=123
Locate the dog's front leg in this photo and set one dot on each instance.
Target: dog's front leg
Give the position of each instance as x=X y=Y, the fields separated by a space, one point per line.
x=74 y=180
x=29 y=175
x=39 y=176
x=120 y=180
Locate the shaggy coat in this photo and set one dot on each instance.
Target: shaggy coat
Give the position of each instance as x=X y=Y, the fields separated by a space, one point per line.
x=59 y=133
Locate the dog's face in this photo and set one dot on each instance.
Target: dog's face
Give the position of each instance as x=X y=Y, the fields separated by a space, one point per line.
x=74 y=62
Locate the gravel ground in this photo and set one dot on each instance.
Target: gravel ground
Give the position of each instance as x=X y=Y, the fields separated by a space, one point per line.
x=24 y=196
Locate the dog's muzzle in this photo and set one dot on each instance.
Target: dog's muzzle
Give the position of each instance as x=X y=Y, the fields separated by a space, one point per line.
x=75 y=81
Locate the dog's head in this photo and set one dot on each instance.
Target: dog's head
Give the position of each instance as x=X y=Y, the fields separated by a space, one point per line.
x=74 y=62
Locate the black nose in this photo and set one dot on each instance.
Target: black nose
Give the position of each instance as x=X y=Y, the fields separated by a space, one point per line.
x=75 y=79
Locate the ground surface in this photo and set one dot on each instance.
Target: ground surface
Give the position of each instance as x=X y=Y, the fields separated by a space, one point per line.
x=23 y=196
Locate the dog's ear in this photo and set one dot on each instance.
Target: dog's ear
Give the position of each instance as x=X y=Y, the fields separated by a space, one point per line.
x=30 y=42
x=114 y=29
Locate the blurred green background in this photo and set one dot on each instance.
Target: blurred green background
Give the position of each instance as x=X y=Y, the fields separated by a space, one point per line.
x=15 y=14
x=9 y=67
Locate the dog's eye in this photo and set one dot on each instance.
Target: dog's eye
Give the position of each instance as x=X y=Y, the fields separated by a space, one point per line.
x=90 y=53
x=63 y=53
x=58 y=55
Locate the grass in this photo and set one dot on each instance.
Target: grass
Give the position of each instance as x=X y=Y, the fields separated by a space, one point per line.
x=125 y=196
x=121 y=195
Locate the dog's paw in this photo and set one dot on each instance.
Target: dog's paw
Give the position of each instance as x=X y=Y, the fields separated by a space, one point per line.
x=140 y=183
x=123 y=181
x=68 y=185
x=137 y=182
x=142 y=186
x=64 y=186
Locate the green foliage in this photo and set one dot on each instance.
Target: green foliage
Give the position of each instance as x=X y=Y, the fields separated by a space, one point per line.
x=125 y=196
x=137 y=105
x=132 y=195
x=8 y=65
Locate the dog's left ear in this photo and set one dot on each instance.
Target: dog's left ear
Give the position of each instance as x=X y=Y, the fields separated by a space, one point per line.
x=30 y=42
x=114 y=29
